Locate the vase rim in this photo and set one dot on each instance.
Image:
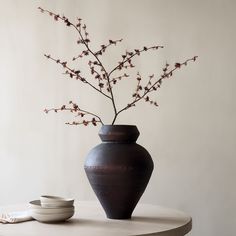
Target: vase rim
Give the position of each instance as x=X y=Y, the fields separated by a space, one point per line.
x=124 y=133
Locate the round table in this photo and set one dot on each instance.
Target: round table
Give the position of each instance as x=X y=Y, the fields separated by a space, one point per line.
x=90 y=220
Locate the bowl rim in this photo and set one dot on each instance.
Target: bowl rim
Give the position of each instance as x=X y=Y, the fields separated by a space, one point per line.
x=52 y=198
x=38 y=204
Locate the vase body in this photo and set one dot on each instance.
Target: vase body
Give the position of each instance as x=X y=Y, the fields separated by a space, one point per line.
x=118 y=170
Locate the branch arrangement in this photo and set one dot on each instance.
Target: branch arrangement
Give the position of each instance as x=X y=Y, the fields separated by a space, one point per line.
x=104 y=81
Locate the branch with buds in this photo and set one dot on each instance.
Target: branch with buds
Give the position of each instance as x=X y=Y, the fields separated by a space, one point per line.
x=74 y=108
x=104 y=82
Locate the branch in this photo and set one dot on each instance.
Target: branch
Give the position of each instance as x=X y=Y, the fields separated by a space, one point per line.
x=84 y=122
x=103 y=77
x=97 y=75
x=114 y=80
x=156 y=85
x=73 y=73
x=105 y=46
x=84 y=41
x=129 y=55
x=80 y=113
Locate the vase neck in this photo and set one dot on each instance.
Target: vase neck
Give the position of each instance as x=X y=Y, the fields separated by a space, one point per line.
x=119 y=133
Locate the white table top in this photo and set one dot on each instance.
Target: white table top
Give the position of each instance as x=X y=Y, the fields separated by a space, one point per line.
x=90 y=220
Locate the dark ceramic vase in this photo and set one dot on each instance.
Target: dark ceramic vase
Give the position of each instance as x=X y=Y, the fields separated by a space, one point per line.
x=118 y=170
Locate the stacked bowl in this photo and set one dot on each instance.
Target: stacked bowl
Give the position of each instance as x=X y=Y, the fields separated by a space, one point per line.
x=52 y=209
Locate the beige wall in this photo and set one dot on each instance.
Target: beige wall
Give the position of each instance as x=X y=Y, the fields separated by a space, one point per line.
x=191 y=136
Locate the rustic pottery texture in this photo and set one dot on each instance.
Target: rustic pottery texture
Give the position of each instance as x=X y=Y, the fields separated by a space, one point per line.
x=118 y=170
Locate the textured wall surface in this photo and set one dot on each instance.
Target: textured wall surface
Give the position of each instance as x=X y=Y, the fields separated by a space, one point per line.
x=191 y=136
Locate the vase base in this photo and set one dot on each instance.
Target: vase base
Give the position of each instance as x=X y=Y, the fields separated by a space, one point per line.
x=120 y=217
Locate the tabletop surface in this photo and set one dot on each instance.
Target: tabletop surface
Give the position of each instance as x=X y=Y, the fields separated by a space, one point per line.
x=90 y=220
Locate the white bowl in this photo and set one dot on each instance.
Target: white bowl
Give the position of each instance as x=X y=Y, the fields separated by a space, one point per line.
x=49 y=218
x=54 y=201
x=36 y=207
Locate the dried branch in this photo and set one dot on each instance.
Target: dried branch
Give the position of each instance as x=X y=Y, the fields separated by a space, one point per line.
x=84 y=122
x=166 y=74
x=103 y=78
x=74 y=73
x=98 y=76
x=74 y=108
x=81 y=55
x=127 y=57
x=114 y=80
x=105 y=46
x=85 y=41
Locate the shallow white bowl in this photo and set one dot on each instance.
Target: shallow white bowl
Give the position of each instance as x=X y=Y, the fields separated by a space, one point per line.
x=50 y=218
x=54 y=201
x=36 y=207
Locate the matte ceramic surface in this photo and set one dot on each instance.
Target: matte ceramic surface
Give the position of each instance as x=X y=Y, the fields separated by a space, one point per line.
x=118 y=170
x=47 y=218
x=55 y=201
x=36 y=207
